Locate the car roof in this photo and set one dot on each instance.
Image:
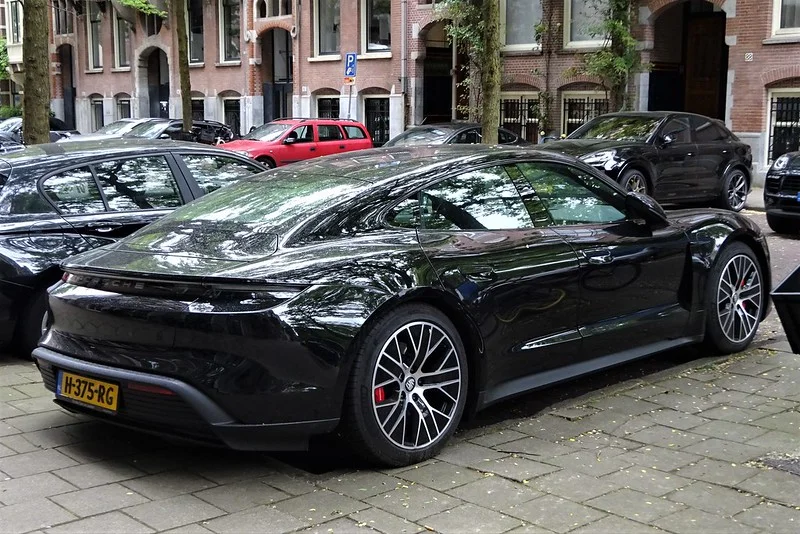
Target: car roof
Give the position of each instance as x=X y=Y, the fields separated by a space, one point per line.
x=78 y=151
x=456 y=125
x=374 y=165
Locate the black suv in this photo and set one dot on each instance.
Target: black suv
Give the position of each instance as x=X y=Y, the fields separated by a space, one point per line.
x=782 y=194
x=203 y=131
x=59 y=199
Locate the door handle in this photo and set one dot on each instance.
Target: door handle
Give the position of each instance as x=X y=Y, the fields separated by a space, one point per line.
x=312 y=149
x=341 y=146
x=600 y=258
x=104 y=227
x=689 y=154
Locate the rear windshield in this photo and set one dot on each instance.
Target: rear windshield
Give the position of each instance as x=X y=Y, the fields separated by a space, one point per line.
x=224 y=223
x=426 y=135
x=147 y=130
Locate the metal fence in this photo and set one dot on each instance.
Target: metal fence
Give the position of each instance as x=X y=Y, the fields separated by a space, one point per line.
x=376 y=119
x=578 y=111
x=521 y=116
x=784 y=134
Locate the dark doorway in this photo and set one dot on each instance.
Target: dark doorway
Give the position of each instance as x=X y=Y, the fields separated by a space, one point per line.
x=437 y=92
x=67 y=84
x=276 y=72
x=158 y=83
x=690 y=60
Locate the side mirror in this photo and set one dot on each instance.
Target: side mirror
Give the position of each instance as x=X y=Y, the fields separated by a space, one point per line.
x=290 y=139
x=667 y=139
x=641 y=206
x=164 y=136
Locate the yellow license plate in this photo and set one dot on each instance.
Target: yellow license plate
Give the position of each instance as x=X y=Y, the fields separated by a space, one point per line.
x=88 y=391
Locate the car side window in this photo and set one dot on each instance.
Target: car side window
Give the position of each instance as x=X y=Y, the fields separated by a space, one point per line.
x=329 y=132
x=468 y=137
x=138 y=184
x=678 y=129
x=212 y=171
x=505 y=138
x=570 y=196
x=74 y=192
x=707 y=131
x=305 y=134
x=484 y=199
x=354 y=132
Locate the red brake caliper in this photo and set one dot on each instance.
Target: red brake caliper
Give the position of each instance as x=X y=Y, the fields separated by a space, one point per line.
x=380 y=396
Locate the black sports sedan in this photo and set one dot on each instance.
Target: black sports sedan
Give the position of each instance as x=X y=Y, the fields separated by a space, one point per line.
x=782 y=194
x=203 y=131
x=384 y=292
x=60 y=199
x=11 y=130
x=673 y=157
x=448 y=133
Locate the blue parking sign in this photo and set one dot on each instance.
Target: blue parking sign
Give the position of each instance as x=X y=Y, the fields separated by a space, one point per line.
x=350 y=61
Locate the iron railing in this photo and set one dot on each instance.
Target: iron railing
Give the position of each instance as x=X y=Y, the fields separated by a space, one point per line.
x=521 y=116
x=784 y=133
x=578 y=111
x=376 y=119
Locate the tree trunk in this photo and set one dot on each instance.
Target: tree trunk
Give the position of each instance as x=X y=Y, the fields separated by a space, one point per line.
x=490 y=79
x=36 y=54
x=617 y=92
x=179 y=6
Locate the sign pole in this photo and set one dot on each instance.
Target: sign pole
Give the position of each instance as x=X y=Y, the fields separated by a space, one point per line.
x=349 y=101
x=350 y=66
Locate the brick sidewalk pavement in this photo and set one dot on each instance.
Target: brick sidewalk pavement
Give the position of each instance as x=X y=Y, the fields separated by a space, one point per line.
x=690 y=449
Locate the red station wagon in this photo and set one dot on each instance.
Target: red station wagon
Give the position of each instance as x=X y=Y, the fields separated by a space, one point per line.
x=286 y=141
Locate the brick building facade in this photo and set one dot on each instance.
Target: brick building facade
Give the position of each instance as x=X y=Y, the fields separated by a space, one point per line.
x=733 y=59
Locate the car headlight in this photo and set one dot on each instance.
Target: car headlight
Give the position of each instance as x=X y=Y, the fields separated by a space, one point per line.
x=242 y=152
x=781 y=163
x=599 y=159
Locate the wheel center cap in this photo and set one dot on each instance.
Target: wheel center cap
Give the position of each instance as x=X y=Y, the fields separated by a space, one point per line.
x=410 y=383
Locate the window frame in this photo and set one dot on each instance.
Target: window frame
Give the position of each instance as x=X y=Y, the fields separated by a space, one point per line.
x=118 y=103
x=328 y=97
x=117 y=61
x=221 y=30
x=15 y=15
x=238 y=99
x=569 y=44
x=365 y=22
x=94 y=43
x=61 y=13
x=95 y=103
x=521 y=47
x=367 y=98
x=789 y=92
x=331 y=56
x=777 y=11
x=189 y=33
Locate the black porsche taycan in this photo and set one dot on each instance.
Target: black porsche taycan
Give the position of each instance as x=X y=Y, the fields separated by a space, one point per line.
x=383 y=293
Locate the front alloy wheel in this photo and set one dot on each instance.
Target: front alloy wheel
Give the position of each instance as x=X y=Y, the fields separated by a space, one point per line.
x=739 y=298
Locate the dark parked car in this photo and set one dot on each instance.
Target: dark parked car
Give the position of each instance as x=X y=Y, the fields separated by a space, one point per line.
x=673 y=157
x=448 y=133
x=782 y=194
x=63 y=198
x=208 y=132
x=11 y=130
x=383 y=291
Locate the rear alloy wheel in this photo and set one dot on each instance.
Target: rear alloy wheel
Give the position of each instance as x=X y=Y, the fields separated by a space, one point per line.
x=781 y=225
x=408 y=388
x=634 y=181
x=735 y=299
x=734 y=190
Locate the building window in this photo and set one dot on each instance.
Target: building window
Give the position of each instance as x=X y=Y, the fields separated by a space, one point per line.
x=96 y=112
x=327 y=26
x=198 y=109
x=122 y=41
x=518 y=18
x=151 y=24
x=784 y=123
x=232 y=114
x=273 y=8
x=582 y=19
x=62 y=18
x=229 y=29
x=328 y=107
x=123 y=108
x=15 y=14
x=519 y=113
x=376 y=119
x=377 y=25
x=195 y=20
x=787 y=16
x=93 y=31
x=579 y=107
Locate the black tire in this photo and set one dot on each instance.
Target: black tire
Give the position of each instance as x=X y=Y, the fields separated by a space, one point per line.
x=718 y=314
x=782 y=225
x=634 y=180
x=30 y=324
x=267 y=162
x=735 y=188
x=360 y=418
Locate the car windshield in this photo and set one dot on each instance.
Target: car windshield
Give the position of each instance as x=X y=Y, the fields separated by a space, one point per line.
x=117 y=127
x=148 y=130
x=236 y=222
x=618 y=128
x=10 y=124
x=426 y=135
x=268 y=132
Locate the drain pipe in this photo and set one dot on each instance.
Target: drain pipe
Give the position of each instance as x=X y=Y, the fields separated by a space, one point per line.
x=404 y=49
x=298 y=63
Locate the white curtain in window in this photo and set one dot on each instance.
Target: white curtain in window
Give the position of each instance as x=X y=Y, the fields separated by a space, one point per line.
x=586 y=17
x=522 y=16
x=790 y=14
x=328 y=26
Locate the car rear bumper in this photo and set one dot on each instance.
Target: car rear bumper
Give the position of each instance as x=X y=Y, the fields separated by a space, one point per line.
x=185 y=412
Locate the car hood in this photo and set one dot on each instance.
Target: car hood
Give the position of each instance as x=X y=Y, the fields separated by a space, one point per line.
x=582 y=147
x=245 y=145
x=89 y=137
